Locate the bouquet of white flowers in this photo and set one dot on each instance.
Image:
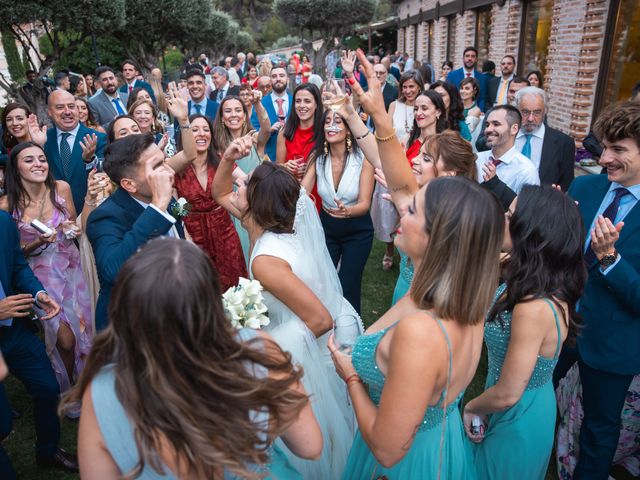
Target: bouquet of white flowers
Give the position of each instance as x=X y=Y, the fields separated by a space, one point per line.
x=244 y=305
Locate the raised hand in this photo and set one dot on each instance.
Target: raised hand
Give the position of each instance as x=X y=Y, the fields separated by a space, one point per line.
x=160 y=182
x=348 y=62
x=256 y=96
x=89 y=144
x=604 y=236
x=178 y=106
x=38 y=134
x=239 y=148
x=371 y=101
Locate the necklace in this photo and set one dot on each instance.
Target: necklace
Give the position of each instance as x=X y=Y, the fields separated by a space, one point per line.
x=42 y=204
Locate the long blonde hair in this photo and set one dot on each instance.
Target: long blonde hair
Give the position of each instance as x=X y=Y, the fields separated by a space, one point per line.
x=458 y=274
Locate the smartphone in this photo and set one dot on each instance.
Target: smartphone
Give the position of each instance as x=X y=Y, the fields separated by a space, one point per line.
x=41 y=227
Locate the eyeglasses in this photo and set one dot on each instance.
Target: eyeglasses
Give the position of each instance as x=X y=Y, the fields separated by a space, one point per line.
x=535 y=113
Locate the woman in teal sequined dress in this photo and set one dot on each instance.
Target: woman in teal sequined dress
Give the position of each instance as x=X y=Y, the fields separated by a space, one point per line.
x=531 y=317
x=418 y=359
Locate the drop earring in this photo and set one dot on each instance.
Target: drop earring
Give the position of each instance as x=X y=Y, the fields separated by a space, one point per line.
x=349 y=143
x=326 y=148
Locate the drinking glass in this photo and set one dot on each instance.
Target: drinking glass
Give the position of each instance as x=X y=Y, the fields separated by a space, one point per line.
x=333 y=97
x=346 y=331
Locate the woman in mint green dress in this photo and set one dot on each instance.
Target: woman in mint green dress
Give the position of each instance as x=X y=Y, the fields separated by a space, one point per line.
x=420 y=356
x=530 y=319
x=232 y=122
x=190 y=398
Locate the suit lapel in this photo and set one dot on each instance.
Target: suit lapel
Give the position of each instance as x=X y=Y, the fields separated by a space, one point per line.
x=132 y=208
x=548 y=152
x=52 y=134
x=589 y=205
x=631 y=224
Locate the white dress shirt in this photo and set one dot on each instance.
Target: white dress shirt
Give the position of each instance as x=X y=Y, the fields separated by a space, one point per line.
x=71 y=139
x=202 y=103
x=537 y=138
x=515 y=169
x=172 y=232
x=285 y=104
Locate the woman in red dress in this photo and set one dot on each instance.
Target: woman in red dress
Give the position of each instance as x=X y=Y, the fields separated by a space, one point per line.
x=300 y=133
x=209 y=224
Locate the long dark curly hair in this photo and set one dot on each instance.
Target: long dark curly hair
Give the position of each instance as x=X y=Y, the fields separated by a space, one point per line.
x=181 y=373
x=456 y=108
x=546 y=259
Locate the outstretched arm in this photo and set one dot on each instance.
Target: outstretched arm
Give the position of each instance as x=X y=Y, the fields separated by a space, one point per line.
x=400 y=180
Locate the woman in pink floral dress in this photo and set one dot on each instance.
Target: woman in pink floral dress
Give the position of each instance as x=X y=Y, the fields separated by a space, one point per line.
x=569 y=396
x=33 y=194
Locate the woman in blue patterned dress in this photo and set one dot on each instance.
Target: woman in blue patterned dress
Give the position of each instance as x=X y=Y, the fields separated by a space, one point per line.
x=531 y=317
x=193 y=398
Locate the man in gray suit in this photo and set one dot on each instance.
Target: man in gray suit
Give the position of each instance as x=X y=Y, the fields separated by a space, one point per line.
x=109 y=103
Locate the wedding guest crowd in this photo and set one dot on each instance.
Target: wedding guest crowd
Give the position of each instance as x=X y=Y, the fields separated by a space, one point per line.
x=127 y=220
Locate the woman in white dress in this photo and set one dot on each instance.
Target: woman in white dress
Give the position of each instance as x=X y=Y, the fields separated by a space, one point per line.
x=290 y=259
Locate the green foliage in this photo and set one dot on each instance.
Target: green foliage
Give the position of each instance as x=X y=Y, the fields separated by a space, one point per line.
x=286 y=41
x=81 y=59
x=272 y=30
x=330 y=18
x=173 y=59
x=14 y=63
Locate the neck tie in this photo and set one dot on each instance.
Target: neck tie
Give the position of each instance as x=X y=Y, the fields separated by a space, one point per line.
x=220 y=95
x=495 y=161
x=65 y=155
x=503 y=90
x=7 y=321
x=119 y=109
x=610 y=212
x=468 y=74
x=526 y=148
x=280 y=101
x=130 y=89
x=198 y=108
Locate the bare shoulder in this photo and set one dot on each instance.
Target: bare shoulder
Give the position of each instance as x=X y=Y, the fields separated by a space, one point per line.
x=63 y=187
x=536 y=315
x=420 y=330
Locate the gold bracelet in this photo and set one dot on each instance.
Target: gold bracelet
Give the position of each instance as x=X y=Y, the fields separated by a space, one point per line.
x=384 y=139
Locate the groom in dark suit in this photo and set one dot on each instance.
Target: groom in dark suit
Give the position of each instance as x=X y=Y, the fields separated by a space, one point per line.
x=608 y=345
x=25 y=354
x=135 y=213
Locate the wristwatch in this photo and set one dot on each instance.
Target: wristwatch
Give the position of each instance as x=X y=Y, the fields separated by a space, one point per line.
x=608 y=260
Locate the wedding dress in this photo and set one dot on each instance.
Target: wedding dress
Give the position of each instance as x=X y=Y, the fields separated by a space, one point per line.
x=306 y=253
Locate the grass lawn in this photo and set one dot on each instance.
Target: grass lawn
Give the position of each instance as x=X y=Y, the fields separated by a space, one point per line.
x=376 y=298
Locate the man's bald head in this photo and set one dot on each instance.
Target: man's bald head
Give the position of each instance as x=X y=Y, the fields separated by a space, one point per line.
x=62 y=110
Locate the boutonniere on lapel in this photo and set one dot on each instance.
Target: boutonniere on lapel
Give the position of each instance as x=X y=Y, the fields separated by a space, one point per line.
x=180 y=208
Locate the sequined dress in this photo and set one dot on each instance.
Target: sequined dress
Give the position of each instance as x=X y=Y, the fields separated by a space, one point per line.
x=518 y=441
x=423 y=458
x=404 y=279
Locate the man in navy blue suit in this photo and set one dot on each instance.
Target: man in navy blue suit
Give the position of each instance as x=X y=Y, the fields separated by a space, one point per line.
x=278 y=104
x=198 y=102
x=470 y=60
x=608 y=345
x=25 y=354
x=138 y=210
x=71 y=148
x=130 y=71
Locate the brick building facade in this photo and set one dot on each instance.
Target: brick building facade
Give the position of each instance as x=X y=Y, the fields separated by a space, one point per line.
x=587 y=50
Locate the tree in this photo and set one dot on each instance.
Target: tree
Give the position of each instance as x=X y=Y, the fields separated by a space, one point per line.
x=27 y=20
x=14 y=64
x=325 y=21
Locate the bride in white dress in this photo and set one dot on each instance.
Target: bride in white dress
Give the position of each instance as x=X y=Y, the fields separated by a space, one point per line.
x=302 y=292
